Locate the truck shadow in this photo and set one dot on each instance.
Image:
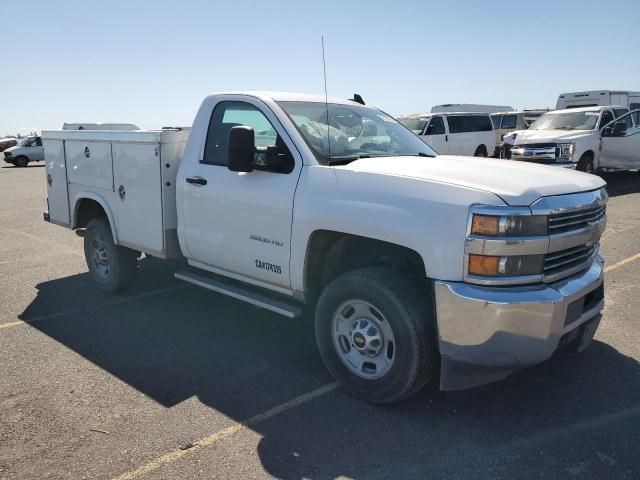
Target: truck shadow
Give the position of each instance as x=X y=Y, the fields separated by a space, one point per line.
x=621 y=183
x=241 y=361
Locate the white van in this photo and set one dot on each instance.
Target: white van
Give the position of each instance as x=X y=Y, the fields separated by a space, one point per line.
x=455 y=133
x=470 y=108
x=599 y=98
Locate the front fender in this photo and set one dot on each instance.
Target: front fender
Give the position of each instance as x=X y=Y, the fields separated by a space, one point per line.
x=102 y=202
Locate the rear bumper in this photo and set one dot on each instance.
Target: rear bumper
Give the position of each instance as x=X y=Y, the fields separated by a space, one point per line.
x=486 y=333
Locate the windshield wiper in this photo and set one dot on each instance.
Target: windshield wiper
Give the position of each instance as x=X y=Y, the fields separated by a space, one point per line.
x=422 y=154
x=345 y=160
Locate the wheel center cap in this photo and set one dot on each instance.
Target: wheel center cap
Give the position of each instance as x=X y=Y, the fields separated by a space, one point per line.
x=366 y=337
x=359 y=340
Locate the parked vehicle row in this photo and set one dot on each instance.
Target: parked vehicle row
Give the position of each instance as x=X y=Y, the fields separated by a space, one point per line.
x=418 y=266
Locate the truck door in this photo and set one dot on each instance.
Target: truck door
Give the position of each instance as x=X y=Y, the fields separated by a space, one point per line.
x=240 y=223
x=435 y=135
x=57 y=183
x=38 y=151
x=620 y=144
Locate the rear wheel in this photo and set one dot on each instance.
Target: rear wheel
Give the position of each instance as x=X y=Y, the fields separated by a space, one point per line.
x=376 y=334
x=21 y=161
x=585 y=164
x=481 y=151
x=112 y=266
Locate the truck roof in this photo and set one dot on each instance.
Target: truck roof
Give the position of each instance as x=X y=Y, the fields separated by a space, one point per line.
x=443 y=114
x=289 y=97
x=586 y=109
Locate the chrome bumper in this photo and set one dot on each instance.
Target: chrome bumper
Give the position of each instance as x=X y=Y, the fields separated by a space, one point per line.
x=486 y=333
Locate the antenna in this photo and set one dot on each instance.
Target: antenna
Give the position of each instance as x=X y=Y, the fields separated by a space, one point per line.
x=326 y=99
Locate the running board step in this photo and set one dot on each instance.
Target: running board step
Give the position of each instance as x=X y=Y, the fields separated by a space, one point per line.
x=240 y=293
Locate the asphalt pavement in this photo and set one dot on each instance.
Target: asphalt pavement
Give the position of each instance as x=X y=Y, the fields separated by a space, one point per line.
x=169 y=381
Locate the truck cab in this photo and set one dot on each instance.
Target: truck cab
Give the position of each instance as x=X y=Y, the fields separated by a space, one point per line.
x=413 y=265
x=586 y=138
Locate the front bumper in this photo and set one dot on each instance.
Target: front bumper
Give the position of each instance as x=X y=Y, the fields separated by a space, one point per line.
x=8 y=158
x=487 y=333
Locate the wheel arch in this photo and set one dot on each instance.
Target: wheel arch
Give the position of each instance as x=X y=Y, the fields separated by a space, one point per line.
x=88 y=205
x=330 y=253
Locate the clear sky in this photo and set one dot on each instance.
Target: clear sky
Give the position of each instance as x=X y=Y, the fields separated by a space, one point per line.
x=151 y=62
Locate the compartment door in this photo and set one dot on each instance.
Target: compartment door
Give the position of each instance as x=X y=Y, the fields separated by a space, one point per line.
x=57 y=187
x=89 y=163
x=138 y=192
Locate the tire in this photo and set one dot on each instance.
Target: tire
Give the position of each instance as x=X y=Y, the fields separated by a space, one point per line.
x=389 y=302
x=585 y=164
x=505 y=152
x=481 y=151
x=21 y=161
x=112 y=267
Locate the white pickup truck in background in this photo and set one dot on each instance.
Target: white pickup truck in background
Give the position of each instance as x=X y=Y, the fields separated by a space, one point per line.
x=587 y=138
x=413 y=262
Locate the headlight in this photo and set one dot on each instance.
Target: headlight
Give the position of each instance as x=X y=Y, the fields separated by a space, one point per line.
x=514 y=265
x=509 y=225
x=566 y=151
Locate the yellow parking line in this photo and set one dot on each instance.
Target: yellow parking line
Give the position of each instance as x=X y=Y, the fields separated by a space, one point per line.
x=622 y=262
x=224 y=433
x=12 y=324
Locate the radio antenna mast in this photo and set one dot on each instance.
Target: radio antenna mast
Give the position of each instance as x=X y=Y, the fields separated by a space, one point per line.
x=326 y=99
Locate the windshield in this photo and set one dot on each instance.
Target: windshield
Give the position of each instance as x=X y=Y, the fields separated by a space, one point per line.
x=416 y=125
x=352 y=132
x=566 y=121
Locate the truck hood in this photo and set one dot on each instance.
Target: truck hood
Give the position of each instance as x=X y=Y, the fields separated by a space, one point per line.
x=517 y=183
x=12 y=149
x=550 y=136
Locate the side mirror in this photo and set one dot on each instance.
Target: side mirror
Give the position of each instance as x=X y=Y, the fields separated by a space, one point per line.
x=619 y=129
x=242 y=147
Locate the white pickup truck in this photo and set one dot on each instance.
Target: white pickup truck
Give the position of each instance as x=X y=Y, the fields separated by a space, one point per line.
x=415 y=264
x=587 y=139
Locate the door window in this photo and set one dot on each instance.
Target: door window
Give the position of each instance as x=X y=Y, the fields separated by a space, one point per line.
x=619 y=112
x=509 y=121
x=607 y=116
x=469 y=123
x=38 y=142
x=227 y=115
x=495 y=120
x=636 y=116
x=436 y=126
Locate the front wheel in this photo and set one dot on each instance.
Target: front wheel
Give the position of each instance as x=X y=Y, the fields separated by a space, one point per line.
x=585 y=164
x=21 y=161
x=481 y=151
x=375 y=330
x=112 y=266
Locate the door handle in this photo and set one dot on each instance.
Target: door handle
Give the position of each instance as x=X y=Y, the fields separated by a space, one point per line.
x=196 y=180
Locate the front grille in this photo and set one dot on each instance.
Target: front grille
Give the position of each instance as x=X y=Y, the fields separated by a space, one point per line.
x=564 y=222
x=537 y=145
x=557 y=262
x=542 y=161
